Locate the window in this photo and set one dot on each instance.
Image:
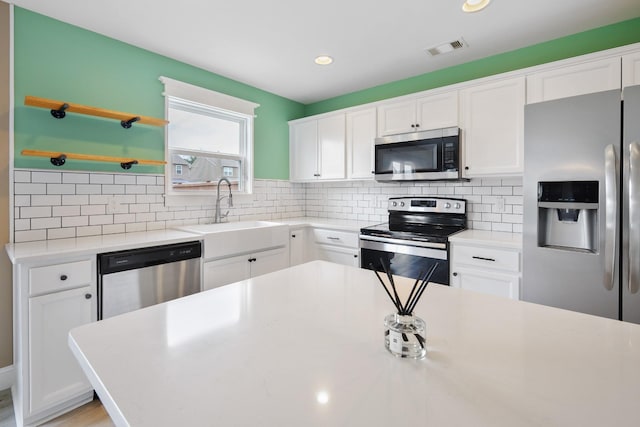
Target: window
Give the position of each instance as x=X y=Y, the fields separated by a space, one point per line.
x=209 y=136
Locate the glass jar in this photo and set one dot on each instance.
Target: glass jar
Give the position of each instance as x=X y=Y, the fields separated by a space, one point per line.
x=404 y=336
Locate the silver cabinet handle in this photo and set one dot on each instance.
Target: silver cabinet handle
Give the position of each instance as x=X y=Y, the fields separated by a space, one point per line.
x=611 y=214
x=634 y=218
x=333 y=238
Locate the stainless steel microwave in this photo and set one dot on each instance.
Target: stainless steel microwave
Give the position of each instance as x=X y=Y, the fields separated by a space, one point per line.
x=418 y=156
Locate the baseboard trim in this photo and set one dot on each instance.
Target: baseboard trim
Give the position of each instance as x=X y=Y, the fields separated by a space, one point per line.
x=7 y=377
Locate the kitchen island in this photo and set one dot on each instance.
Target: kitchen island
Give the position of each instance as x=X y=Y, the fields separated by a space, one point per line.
x=304 y=346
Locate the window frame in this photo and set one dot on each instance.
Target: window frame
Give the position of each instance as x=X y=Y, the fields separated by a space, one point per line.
x=216 y=101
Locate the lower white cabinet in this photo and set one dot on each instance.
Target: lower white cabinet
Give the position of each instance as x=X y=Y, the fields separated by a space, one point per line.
x=487 y=269
x=50 y=299
x=298 y=253
x=487 y=282
x=339 y=246
x=55 y=375
x=339 y=255
x=240 y=267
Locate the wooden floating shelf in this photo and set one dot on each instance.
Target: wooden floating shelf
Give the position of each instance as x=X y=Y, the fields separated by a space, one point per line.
x=59 y=108
x=58 y=158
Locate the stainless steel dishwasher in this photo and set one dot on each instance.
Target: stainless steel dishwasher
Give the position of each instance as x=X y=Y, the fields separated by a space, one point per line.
x=137 y=278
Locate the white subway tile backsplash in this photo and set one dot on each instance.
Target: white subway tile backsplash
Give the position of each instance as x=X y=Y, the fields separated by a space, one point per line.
x=101 y=178
x=75 y=221
x=35 y=212
x=46 y=177
x=61 y=189
x=85 y=203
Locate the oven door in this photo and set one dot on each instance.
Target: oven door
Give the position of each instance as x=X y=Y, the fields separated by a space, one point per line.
x=405 y=260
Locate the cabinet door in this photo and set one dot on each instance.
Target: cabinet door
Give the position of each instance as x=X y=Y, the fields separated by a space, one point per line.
x=580 y=79
x=298 y=246
x=631 y=69
x=268 y=261
x=361 y=134
x=493 y=128
x=226 y=270
x=397 y=117
x=54 y=373
x=303 y=151
x=332 y=147
x=438 y=111
x=502 y=285
x=344 y=256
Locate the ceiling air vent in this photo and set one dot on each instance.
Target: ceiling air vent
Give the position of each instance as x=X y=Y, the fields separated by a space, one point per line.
x=446 y=47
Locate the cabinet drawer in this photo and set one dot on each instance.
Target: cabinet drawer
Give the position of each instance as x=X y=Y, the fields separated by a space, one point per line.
x=337 y=238
x=487 y=257
x=58 y=277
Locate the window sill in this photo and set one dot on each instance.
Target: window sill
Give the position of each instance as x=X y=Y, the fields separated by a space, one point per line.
x=203 y=199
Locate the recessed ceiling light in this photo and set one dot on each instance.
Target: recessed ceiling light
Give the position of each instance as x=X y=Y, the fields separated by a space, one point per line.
x=475 y=5
x=323 y=60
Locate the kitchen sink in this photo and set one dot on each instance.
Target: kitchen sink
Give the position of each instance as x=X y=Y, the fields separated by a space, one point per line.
x=227 y=238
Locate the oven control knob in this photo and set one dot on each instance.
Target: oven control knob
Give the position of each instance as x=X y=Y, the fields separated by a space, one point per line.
x=394 y=204
x=457 y=206
x=401 y=204
x=447 y=205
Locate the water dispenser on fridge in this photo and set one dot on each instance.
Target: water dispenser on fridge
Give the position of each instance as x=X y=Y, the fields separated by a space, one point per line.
x=568 y=215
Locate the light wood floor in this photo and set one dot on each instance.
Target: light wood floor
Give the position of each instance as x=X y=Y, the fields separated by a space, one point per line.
x=92 y=414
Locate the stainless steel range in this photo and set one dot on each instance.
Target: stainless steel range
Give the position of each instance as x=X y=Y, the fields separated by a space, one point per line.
x=415 y=238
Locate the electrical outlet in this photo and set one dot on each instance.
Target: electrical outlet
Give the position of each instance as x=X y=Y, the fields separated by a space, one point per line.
x=112 y=205
x=500 y=205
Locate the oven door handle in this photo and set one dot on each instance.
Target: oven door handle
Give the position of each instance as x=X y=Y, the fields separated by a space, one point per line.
x=403 y=249
x=404 y=242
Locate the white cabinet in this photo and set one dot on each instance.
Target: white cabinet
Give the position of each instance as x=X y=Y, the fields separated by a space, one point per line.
x=489 y=270
x=361 y=134
x=317 y=148
x=487 y=282
x=55 y=375
x=423 y=113
x=298 y=253
x=241 y=267
x=49 y=300
x=631 y=69
x=492 y=122
x=337 y=246
x=578 y=79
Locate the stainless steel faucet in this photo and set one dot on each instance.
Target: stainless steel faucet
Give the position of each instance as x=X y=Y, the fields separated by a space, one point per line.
x=219 y=216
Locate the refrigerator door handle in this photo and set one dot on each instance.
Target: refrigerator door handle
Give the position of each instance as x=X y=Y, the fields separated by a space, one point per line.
x=611 y=214
x=634 y=218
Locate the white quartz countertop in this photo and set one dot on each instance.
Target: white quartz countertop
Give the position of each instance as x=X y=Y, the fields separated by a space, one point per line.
x=304 y=347
x=334 y=224
x=31 y=251
x=488 y=238
x=35 y=251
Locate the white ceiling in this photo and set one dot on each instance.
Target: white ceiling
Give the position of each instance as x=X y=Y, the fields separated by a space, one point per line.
x=271 y=45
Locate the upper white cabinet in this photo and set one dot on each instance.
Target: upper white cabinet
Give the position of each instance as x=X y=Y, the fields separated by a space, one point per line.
x=423 y=113
x=579 y=79
x=361 y=134
x=492 y=122
x=317 y=148
x=631 y=69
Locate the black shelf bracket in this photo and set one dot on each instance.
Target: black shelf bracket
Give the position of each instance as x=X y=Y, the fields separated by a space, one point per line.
x=127 y=165
x=61 y=159
x=127 y=123
x=60 y=113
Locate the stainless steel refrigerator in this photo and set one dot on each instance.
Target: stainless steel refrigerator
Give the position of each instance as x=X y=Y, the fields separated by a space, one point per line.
x=581 y=225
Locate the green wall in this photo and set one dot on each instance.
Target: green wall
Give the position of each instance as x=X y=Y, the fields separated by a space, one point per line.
x=63 y=62
x=602 y=38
